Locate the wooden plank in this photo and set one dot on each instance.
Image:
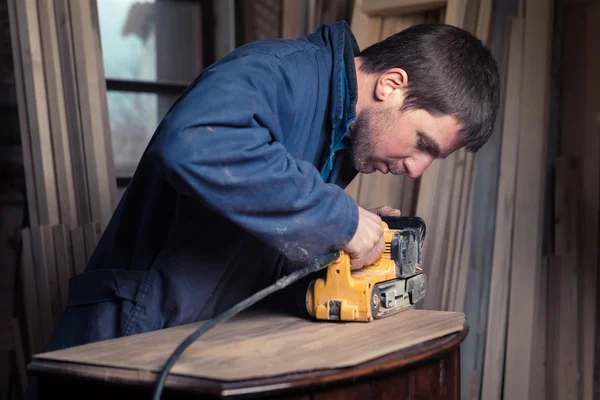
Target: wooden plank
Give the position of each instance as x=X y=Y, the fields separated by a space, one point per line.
x=91 y=86
x=30 y=184
x=564 y=371
x=436 y=247
x=79 y=254
x=46 y=284
x=329 y=11
x=457 y=290
x=455 y=12
x=30 y=295
x=409 y=193
x=463 y=258
x=454 y=230
x=49 y=263
x=367 y=30
x=241 y=342
x=590 y=197
x=57 y=114
x=579 y=138
x=388 y=8
x=64 y=261
x=91 y=234
x=73 y=116
x=471 y=15
x=34 y=122
x=225 y=37
x=484 y=20
x=539 y=351
x=530 y=188
x=292 y=21
x=501 y=261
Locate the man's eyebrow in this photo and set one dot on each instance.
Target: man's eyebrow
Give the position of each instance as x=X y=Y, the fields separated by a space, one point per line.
x=432 y=145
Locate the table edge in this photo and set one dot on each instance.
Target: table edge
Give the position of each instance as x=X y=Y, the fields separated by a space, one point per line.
x=400 y=359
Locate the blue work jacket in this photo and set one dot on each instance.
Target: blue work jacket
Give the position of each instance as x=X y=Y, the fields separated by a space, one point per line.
x=236 y=187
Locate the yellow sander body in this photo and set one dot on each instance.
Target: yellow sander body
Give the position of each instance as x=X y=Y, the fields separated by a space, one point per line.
x=391 y=284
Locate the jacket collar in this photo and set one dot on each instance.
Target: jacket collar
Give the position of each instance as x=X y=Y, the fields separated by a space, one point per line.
x=340 y=39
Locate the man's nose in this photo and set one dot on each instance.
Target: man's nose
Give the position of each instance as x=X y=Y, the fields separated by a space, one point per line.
x=415 y=166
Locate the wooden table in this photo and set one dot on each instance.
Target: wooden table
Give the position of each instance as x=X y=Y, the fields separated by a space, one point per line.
x=412 y=355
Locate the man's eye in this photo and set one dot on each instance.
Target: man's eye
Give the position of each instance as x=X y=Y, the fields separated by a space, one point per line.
x=422 y=145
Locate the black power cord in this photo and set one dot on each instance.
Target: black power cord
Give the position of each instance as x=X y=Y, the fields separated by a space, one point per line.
x=316 y=265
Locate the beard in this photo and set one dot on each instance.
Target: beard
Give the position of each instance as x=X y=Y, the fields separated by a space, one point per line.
x=366 y=132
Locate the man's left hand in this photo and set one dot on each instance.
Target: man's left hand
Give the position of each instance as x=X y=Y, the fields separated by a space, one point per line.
x=386 y=211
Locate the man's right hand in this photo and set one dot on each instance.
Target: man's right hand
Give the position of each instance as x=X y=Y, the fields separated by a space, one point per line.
x=368 y=244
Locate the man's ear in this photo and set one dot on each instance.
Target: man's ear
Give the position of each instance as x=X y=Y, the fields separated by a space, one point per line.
x=389 y=82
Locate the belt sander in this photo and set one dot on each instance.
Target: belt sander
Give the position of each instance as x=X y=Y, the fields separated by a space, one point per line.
x=391 y=284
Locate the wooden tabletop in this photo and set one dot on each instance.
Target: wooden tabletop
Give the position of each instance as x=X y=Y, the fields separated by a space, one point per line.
x=262 y=351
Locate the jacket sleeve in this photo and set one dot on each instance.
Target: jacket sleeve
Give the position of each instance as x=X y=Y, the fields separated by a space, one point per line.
x=222 y=143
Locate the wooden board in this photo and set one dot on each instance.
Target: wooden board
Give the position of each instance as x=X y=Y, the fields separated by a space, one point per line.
x=63 y=250
x=261 y=345
x=388 y=8
x=292 y=23
x=501 y=261
x=93 y=103
x=563 y=322
x=57 y=114
x=580 y=103
x=45 y=281
x=225 y=27
x=30 y=295
x=79 y=255
x=72 y=110
x=530 y=189
x=590 y=197
x=34 y=120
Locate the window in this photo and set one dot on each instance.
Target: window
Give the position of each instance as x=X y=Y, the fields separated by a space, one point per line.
x=152 y=50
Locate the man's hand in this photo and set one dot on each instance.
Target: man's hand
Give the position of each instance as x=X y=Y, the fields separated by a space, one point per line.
x=367 y=245
x=386 y=211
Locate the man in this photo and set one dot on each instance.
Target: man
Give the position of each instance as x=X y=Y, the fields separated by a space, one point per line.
x=244 y=178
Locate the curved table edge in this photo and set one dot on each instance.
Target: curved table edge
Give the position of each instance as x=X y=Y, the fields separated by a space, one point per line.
x=413 y=355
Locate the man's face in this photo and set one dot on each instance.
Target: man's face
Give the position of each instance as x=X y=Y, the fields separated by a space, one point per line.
x=390 y=140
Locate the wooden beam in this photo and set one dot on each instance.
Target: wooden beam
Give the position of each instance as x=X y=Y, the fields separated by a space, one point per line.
x=57 y=113
x=590 y=197
x=388 y=8
x=455 y=12
x=44 y=282
x=64 y=261
x=72 y=107
x=95 y=129
x=563 y=333
x=225 y=37
x=501 y=259
x=293 y=19
x=436 y=247
x=30 y=296
x=530 y=188
x=367 y=30
x=33 y=112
